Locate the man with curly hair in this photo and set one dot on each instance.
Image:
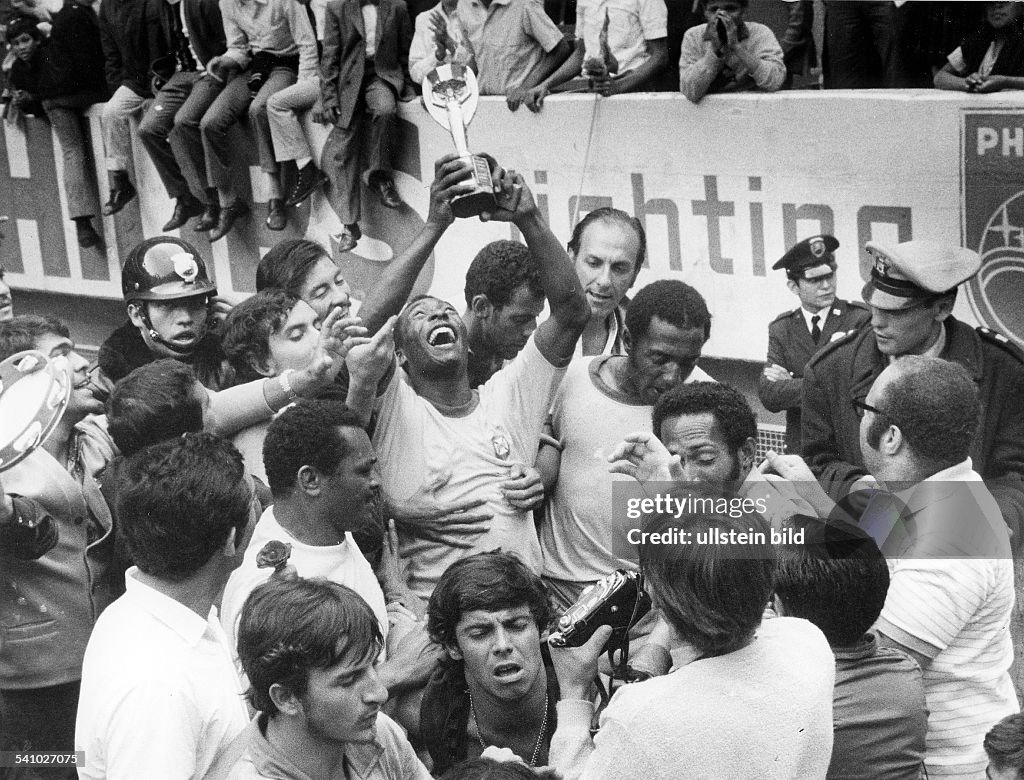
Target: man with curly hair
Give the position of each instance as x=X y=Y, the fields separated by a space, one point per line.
x=504 y=298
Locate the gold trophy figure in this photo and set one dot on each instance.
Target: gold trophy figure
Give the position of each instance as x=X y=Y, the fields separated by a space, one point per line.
x=451 y=94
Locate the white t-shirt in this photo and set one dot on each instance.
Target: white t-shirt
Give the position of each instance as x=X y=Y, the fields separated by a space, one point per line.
x=956 y=612
x=580 y=537
x=342 y=563
x=631 y=23
x=416 y=444
x=160 y=697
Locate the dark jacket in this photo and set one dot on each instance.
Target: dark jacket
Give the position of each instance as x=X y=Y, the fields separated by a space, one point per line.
x=790 y=346
x=135 y=34
x=343 y=63
x=76 y=61
x=28 y=76
x=846 y=369
x=1010 y=61
x=124 y=351
x=205 y=28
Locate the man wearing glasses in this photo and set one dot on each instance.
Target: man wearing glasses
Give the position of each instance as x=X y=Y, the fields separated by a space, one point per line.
x=911 y=292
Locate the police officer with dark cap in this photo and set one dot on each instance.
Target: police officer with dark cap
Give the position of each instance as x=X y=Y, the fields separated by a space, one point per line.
x=910 y=291
x=169 y=295
x=794 y=336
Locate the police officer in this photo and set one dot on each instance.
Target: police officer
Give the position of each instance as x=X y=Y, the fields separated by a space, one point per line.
x=794 y=336
x=169 y=295
x=911 y=292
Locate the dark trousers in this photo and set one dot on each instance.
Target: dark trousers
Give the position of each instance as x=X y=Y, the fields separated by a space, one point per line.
x=39 y=719
x=864 y=47
x=183 y=99
x=372 y=126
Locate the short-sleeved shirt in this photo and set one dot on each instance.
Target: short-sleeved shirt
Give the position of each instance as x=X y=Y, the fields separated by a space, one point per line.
x=510 y=40
x=957 y=612
x=417 y=445
x=341 y=563
x=988 y=62
x=631 y=23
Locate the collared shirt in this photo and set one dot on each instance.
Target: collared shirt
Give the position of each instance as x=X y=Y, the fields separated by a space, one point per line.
x=631 y=23
x=276 y=26
x=956 y=611
x=388 y=757
x=159 y=694
x=821 y=315
x=369 y=11
x=510 y=39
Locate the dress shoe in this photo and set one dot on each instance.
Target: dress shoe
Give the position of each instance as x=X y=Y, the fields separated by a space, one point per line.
x=87 y=235
x=347 y=240
x=119 y=198
x=277 y=217
x=228 y=215
x=310 y=177
x=208 y=219
x=384 y=186
x=184 y=210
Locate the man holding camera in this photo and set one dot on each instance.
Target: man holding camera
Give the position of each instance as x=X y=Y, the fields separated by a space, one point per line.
x=744 y=699
x=729 y=54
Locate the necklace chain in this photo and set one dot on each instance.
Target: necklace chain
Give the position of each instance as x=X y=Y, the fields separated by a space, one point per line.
x=540 y=734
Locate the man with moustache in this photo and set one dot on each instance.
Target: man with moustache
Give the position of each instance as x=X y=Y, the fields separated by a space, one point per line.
x=911 y=292
x=601 y=401
x=55 y=548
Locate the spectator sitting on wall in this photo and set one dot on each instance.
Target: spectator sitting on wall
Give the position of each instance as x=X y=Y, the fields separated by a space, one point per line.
x=620 y=47
x=729 y=54
x=436 y=39
x=364 y=75
x=991 y=59
x=28 y=44
x=515 y=45
x=74 y=82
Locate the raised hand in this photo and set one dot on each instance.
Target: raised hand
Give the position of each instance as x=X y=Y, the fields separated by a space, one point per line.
x=643 y=457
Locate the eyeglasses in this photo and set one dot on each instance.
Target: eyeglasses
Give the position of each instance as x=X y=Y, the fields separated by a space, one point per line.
x=860 y=407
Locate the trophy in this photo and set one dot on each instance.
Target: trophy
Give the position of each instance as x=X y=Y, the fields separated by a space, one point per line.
x=34 y=392
x=451 y=95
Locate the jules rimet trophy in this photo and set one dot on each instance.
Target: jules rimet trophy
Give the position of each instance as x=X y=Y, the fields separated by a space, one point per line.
x=451 y=94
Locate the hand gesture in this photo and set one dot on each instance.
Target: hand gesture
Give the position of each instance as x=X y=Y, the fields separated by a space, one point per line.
x=369 y=360
x=444 y=46
x=774 y=373
x=732 y=39
x=524 y=489
x=643 y=457
x=424 y=516
x=338 y=334
x=451 y=176
x=534 y=98
x=514 y=199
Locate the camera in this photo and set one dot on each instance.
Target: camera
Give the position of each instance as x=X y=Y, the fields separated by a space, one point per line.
x=618 y=600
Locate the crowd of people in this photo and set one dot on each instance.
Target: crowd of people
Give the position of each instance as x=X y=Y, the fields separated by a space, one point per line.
x=293 y=538
x=301 y=537
x=187 y=72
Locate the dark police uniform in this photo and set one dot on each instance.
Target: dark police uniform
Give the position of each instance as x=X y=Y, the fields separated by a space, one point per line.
x=789 y=341
x=845 y=370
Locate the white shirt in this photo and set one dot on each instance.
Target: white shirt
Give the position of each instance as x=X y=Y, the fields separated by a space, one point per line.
x=821 y=315
x=341 y=563
x=369 y=11
x=416 y=445
x=957 y=612
x=631 y=23
x=160 y=698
